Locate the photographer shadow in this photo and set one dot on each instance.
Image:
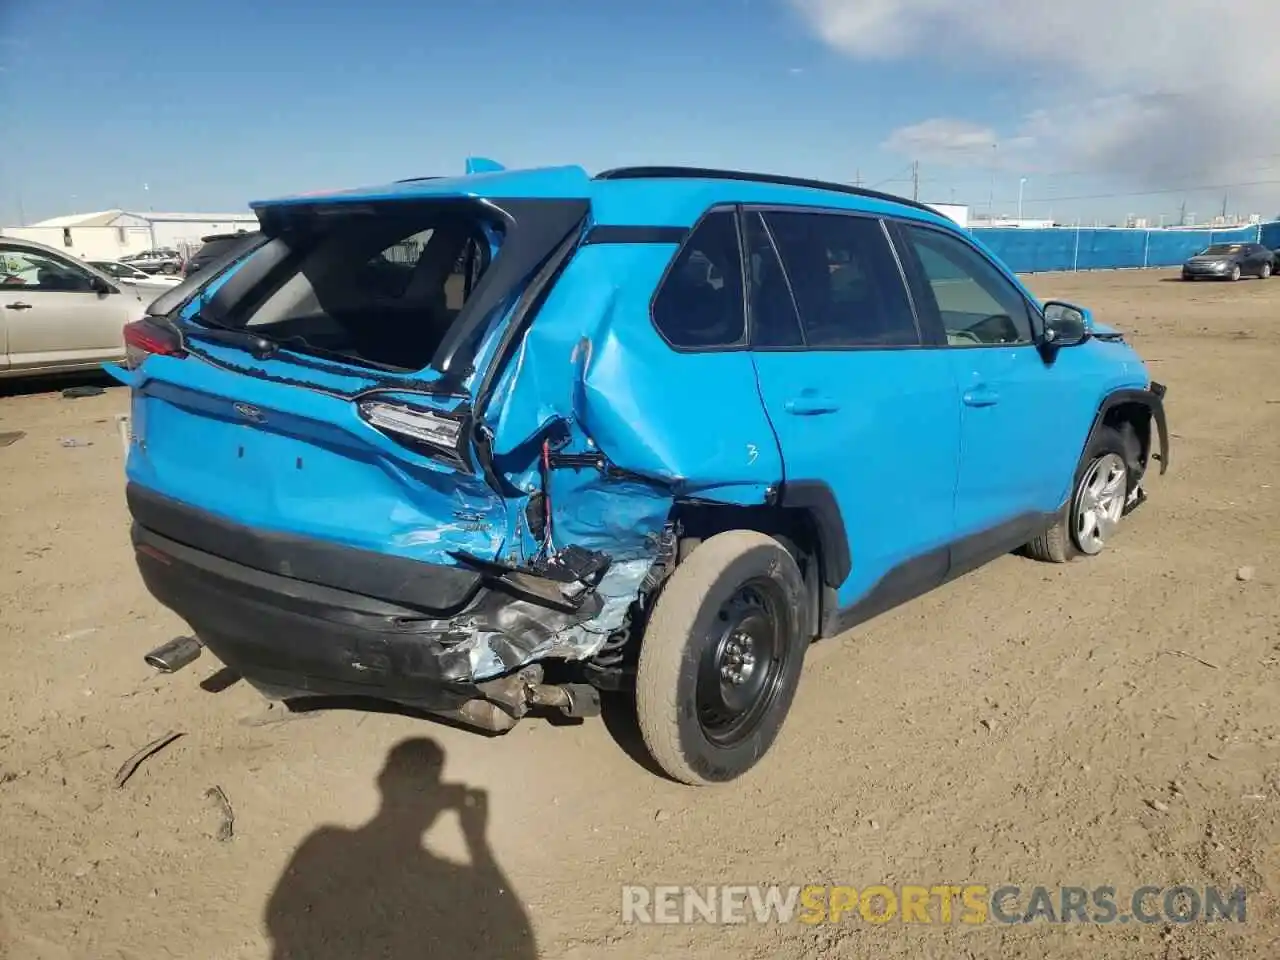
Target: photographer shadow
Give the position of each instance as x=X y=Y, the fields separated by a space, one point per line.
x=375 y=891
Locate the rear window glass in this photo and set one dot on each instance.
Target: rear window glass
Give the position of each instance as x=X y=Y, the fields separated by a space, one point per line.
x=383 y=290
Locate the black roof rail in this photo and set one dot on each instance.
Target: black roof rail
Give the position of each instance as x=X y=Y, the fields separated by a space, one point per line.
x=708 y=173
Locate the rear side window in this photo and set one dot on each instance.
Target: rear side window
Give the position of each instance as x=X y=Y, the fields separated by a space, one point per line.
x=700 y=303
x=977 y=304
x=845 y=280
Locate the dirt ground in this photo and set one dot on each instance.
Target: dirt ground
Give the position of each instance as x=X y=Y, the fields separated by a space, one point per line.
x=1026 y=725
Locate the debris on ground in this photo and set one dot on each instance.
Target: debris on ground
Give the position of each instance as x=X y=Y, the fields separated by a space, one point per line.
x=1245 y=574
x=10 y=437
x=1158 y=805
x=77 y=634
x=73 y=442
x=1190 y=656
x=155 y=746
x=75 y=393
x=227 y=827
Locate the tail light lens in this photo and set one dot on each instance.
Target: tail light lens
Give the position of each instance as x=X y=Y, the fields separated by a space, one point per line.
x=142 y=338
x=436 y=434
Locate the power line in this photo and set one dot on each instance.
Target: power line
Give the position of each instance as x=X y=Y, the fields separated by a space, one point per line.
x=1156 y=193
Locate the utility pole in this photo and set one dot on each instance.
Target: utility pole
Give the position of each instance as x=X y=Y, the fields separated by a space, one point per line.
x=991 y=200
x=1182 y=213
x=915 y=180
x=857 y=178
x=1224 y=208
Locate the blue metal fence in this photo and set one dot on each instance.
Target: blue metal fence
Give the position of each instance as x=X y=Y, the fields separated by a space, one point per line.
x=1037 y=250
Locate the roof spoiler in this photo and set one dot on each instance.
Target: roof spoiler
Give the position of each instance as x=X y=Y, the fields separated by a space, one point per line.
x=483 y=165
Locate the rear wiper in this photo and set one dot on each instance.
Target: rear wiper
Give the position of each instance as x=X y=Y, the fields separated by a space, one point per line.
x=264 y=348
x=307 y=347
x=204 y=328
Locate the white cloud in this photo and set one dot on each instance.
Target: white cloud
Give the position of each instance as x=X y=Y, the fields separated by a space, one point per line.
x=945 y=139
x=1150 y=90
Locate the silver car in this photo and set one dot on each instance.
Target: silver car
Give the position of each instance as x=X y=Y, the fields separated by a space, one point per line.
x=59 y=314
x=132 y=275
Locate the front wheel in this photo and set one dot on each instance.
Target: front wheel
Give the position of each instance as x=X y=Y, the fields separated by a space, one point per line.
x=721 y=657
x=1091 y=517
x=1265 y=272
x=1235 y=273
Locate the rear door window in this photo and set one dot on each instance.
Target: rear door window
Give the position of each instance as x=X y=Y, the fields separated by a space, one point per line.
x=775 y=324
x=845 y=280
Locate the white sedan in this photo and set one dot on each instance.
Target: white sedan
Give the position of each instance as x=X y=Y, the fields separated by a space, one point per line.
x=132 y=275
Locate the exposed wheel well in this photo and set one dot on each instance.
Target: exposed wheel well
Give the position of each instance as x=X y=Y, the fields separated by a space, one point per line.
x=1132 y=419
x=796 y=528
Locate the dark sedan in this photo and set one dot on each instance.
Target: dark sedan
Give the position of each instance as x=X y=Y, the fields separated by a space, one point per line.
x=1230 y=261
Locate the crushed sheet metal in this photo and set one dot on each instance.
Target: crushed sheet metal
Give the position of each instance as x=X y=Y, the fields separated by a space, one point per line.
x=507 y=634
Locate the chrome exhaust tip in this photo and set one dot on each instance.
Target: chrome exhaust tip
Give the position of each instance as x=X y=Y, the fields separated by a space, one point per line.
x=173 y=656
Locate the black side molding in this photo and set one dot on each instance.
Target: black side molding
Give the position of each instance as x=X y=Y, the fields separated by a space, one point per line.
x=606 y=233
x=915 y=577
x=816 y=497
x=1153 y=399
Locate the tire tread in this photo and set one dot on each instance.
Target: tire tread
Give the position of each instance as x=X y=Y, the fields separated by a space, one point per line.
x=665 y=647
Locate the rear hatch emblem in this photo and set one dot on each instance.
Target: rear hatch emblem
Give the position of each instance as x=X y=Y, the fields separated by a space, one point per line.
x=250 y=413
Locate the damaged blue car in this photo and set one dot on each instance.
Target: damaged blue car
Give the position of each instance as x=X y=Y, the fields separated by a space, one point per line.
x=489 y=444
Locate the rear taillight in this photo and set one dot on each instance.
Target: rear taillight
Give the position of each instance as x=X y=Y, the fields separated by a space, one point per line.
x=142 y=338
x=436 y=434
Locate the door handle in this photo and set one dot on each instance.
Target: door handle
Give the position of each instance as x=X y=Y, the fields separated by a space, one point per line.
x=982 y=396
x=809 y=405
x=17 y=305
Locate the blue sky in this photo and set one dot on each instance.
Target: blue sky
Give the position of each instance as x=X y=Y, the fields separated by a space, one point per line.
x=213 y=105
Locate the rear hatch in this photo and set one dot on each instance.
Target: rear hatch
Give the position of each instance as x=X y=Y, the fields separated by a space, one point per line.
x=325 y=385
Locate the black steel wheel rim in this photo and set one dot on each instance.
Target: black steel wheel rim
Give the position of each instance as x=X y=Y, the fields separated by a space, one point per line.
x=742 y=666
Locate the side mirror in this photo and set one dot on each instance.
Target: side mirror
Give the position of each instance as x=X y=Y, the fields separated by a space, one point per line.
x=1066 y=325
x=101 y=287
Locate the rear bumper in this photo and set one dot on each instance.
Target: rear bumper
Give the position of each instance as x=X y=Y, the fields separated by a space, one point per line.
x=433 y=637
x=291 y=638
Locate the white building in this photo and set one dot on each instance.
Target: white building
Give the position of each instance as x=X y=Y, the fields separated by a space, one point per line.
x=955 y=211
x=111 y=234
x=1000 y=221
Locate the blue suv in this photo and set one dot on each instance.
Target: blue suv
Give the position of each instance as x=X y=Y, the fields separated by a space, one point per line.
x=492 y=444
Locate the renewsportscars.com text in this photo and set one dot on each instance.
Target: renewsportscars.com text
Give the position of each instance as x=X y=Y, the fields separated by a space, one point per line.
x=934 y=904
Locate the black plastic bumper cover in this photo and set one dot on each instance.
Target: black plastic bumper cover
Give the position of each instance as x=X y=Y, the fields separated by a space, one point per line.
x=296 y=638
x=298 y=617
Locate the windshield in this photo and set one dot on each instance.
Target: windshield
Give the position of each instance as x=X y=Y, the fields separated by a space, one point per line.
x=1221 y=250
